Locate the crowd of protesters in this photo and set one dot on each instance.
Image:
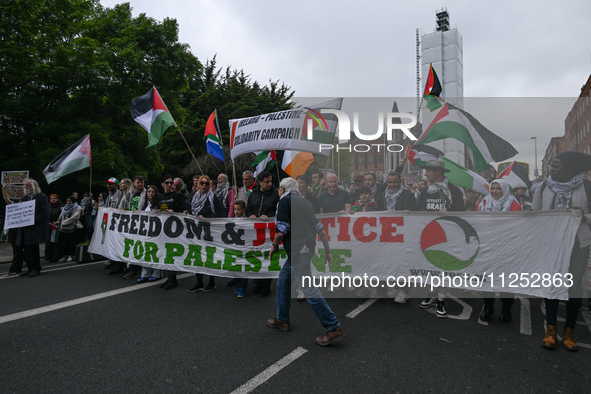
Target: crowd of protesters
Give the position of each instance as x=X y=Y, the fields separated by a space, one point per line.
x=62 y=224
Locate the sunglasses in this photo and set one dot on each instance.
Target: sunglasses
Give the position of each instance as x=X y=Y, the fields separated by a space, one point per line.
x=167 y=183
x=204 y=183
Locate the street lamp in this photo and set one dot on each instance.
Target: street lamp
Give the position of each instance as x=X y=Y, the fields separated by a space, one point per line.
x=536 y=155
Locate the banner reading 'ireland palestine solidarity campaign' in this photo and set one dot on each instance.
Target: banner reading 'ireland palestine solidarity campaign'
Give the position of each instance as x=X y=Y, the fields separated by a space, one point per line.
x=517 y=252
x=285 y=130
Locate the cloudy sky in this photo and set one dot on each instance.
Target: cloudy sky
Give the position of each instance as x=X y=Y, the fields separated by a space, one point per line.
x=344 y=48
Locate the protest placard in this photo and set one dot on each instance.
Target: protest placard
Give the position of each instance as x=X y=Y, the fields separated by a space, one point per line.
x=20 y=215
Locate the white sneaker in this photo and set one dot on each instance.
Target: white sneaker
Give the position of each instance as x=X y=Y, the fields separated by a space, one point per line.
x=373 y=293
x=63 y=260
x=401 y=298
x=392 y=292
x=73 y=258
x=300 y=295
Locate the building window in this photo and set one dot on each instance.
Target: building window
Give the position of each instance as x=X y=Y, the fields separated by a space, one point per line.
x=370 y=159
x=380 y=158
x=361 y=159
x=360 y=172
x=351 y=161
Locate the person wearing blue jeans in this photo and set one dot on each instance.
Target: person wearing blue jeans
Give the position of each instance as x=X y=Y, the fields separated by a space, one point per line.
x=298 y=233
x=568 y=188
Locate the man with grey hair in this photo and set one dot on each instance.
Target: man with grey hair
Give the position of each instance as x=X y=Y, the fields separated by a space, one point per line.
x=289 y=185
x=225 y=196
x=297 y=227
x=248 y=181
x=180 y=187
x=31 y=236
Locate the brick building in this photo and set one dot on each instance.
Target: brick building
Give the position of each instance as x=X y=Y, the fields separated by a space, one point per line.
x=577 y=130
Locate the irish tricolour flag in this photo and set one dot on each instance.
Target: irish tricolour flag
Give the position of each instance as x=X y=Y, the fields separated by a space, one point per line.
x=151 y=113
x=75 y=158
x=485 y=147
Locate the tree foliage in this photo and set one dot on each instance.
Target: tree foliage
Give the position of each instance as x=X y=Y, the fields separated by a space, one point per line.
x=71 y=67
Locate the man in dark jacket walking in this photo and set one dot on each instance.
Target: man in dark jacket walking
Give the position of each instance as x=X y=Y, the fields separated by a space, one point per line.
x=395 y=197
x=262 y=203
x=297 y=228
x=31 y=236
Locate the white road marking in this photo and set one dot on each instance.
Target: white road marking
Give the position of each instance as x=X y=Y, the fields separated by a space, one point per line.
x=78 y=301
x=484 y=323
x=361 y=308
x=446 y=340
x=56 y=269
x=269 y=372
x=525 y=318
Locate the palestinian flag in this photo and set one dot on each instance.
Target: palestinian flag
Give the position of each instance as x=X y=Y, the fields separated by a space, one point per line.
x=515 y=175
x=433 y=90
x=461 y=176
x=485 y=147
x=421 y=154
x=151 y=113
x=73 y=159
x=296 y=163
x=264 y=161
x=213 y=137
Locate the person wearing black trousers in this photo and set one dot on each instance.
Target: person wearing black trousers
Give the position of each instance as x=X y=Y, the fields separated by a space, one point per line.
x=204 y=204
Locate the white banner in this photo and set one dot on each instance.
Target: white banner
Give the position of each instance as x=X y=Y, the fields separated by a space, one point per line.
x=285 y=130
x=518 y=252
x=20 y=215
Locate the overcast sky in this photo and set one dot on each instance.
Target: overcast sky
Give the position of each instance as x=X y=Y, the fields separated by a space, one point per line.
x=347 y=48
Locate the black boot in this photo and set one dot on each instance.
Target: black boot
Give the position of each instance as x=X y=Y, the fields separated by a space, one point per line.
x=163 y=285
x=487 y=312
x=505 y=316
x=172 y=284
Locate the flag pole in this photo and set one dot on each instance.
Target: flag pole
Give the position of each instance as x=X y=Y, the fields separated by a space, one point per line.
x=194 y=158
x=277 y=167
x=412 y=143
x=90 y=187
x=235 y=185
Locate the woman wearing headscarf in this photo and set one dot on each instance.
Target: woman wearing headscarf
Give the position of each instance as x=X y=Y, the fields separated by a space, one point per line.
x=204 y=204
x=52 y=252
x=499 y=199
x=568 y=188
x=68 y=225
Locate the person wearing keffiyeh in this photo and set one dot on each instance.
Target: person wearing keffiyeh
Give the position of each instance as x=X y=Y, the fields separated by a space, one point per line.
x=71 y=214
x=204 y=204
x=395 y=197
x=567 y=188
x=500 y=198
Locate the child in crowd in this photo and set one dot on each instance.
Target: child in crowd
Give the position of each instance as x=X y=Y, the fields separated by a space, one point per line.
x=365 y=203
